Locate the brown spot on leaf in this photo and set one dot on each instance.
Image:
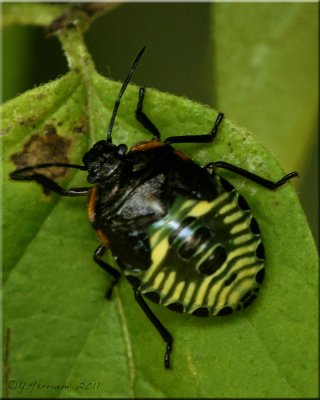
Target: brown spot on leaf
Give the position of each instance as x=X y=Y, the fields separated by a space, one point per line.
x=78 y=12
x=44 y=148
x=50 y=129
x=64 y=21
x=26 y=122
x=40 y=96
x=82 y=128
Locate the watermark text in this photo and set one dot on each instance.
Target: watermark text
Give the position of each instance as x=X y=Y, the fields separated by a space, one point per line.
x=30 y=387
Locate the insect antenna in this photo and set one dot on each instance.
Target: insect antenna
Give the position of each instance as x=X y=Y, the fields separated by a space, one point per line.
x=123 y=88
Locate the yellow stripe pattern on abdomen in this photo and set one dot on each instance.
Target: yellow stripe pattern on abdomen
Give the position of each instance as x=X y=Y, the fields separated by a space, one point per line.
x=207 y=256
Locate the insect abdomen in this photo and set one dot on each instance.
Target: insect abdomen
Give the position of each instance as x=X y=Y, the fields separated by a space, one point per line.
x=207 y=257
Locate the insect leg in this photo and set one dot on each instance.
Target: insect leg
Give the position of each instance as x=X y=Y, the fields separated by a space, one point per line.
x=143 y=119
x=166 y=336
x=206 y=138
x=48 y=184
x=211 y=167
x=98 y=254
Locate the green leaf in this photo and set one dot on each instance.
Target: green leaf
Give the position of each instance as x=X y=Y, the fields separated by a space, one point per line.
x=54 y=16
x=32 y=13
x=266 y=73
x=63 y=331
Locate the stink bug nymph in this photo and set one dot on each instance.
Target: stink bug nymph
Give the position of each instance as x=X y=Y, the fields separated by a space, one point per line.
x=181 y=234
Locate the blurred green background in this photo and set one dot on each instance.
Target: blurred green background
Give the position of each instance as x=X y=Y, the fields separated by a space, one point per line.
x=256 y=62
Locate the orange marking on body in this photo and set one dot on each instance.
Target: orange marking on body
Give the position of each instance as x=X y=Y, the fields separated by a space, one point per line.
x=92 y=215
x=103 y=237
x=148 y=145
x=181 y=155
x=92 y=204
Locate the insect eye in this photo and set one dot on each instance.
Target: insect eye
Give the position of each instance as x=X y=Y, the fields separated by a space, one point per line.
x=121 y=149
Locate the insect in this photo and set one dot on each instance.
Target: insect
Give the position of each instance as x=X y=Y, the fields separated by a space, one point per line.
x=181 y=234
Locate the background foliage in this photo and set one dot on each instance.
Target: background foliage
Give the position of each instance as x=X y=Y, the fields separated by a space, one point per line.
x=241 y=58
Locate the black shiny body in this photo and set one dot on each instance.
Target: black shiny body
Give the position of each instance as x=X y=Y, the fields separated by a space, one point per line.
x=142 y=189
